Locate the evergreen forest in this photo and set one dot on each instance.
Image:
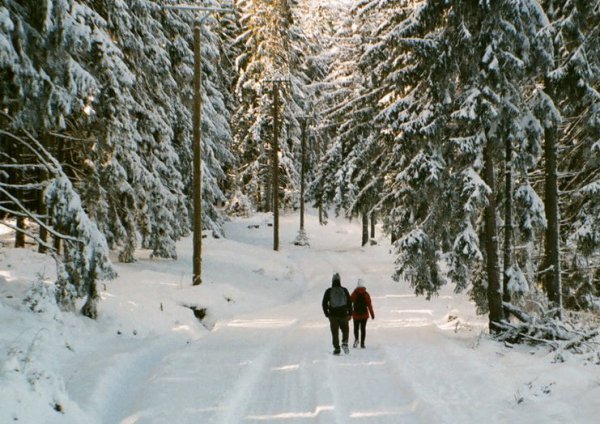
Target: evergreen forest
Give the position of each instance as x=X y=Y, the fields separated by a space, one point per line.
x=468 y=131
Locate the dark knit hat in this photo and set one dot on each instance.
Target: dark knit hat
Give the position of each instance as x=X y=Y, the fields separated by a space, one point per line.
x=335 y=280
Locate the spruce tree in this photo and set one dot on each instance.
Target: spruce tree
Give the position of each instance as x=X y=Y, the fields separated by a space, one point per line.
x=451 y=77
x=569 y=107
x=270 y=47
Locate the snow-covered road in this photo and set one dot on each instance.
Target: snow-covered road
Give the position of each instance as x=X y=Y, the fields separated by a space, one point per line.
x=263 y=353
x=274 y=364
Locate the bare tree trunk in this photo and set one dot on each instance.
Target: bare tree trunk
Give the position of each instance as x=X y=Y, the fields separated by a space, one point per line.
x=373 y=221
x=60 y=154
x=43 y=231
x=365 y=228
x=551 y=276
x=20 y=235
x=508 y=229
x=319 y=154
x=490 y=237
x=302 y=174
x=41 y=203
x=275 y=183
x=321 y=218
x=267 y=197
x=15 y=178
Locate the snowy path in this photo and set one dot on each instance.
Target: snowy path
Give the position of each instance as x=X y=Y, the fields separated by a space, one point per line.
x=276 y=367
x=274 y=364
x=271 y=366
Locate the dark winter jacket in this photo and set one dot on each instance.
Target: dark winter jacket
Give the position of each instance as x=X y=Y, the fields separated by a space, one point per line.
x=357 y=291
x=340 y=312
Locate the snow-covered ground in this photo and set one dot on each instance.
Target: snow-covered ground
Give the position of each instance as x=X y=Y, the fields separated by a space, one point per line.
x=263 y=351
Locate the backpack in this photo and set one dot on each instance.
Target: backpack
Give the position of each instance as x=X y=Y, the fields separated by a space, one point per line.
x=360 y=304
x=337 y=297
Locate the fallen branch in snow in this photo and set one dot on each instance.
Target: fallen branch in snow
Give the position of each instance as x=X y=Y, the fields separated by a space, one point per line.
x=546 y=329
x=583 y=338
x=518 y=313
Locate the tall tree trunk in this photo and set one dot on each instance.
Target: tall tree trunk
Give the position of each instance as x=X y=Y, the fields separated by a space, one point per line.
x=321 y=217
x=319 y=155
x=90 y=309
x=267 y=205
x=15 y=178
x=20 y=235
x=275 y=183
x=302 y=174
x=365 y=228
x=60 y=154
x=490 y=237
x=373 y=221
x=42 y=210
x=41 y=203
x=551 y=275
x=197 y=160
x=508 y=228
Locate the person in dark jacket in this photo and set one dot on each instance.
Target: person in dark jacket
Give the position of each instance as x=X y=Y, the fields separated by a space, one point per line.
x=361 y=309
x=337 y=306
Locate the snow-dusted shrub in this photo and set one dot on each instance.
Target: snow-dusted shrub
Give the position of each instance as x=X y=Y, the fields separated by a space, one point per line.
x=41 y=298
x=239 y=205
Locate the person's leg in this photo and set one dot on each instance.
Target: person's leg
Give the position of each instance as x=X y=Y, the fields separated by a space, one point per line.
x=345 y=331
x=363 y=331
x=335 y=336
x=355 y=328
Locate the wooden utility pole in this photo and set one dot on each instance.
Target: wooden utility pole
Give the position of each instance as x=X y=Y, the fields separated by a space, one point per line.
x=197 y=125
x=302 y=172
x=197 y=171
x=275 y=147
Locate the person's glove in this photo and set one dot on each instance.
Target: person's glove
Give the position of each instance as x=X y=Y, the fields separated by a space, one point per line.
x=326 y=315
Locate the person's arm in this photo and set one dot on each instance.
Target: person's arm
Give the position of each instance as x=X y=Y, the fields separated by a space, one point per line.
x=353 y=296
x=369 y=305
x=349 y=303
x=325 y=303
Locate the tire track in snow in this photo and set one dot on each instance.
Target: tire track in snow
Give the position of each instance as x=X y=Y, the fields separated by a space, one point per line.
x=292 y=388
x=116 y=386
x=236 y=402
x=368 y=389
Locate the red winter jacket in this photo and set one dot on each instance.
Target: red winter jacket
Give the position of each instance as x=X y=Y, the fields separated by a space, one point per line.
x=353 y=297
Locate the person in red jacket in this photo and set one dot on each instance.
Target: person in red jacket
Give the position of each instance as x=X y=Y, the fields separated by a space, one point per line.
x=361 y=309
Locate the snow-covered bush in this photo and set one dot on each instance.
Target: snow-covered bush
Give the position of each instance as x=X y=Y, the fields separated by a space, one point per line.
x=41 y=297
x=239 y=205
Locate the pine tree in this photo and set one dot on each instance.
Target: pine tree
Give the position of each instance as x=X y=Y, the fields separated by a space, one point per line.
x=571 y=160
x=347 y=117
x=45 y=96
x=144 y=125
x=104 y=88
x=269 y=51
x=451 y=79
